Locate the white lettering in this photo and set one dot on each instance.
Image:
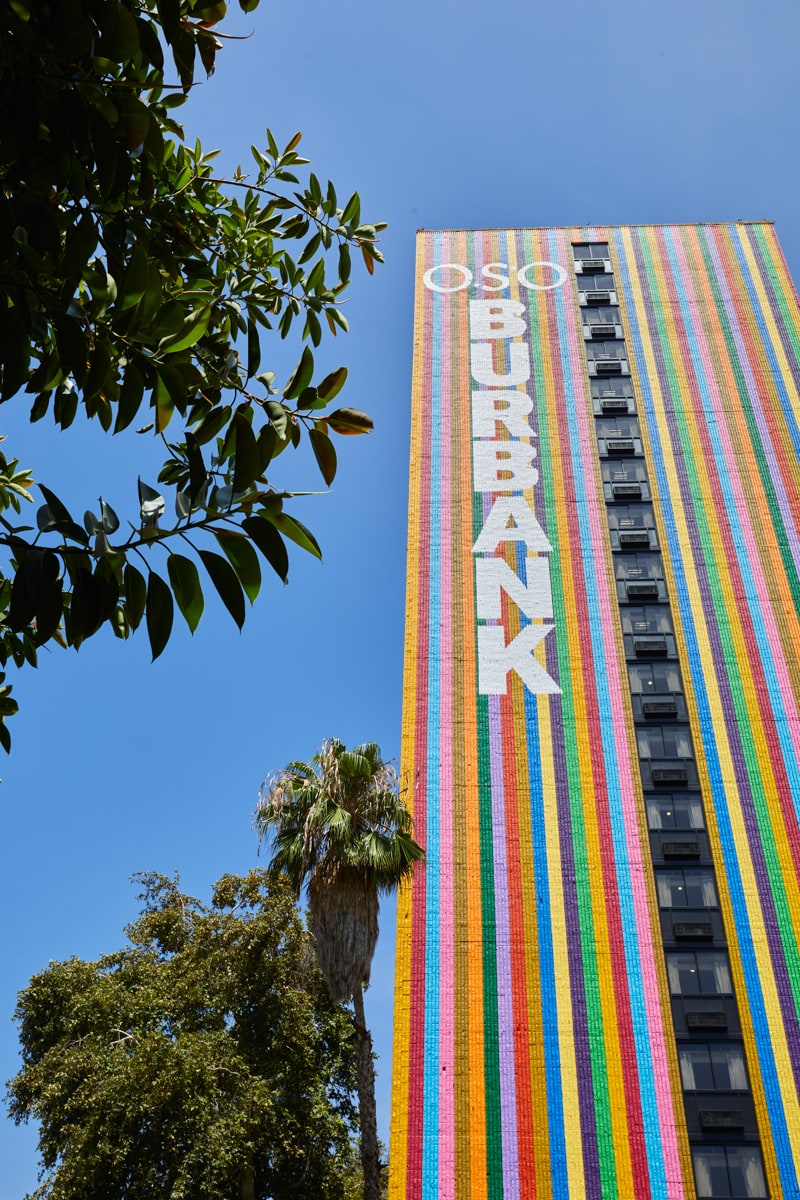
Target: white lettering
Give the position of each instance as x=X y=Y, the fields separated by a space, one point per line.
x=466 y=277
x=496 y=529
x=495 y=319
x=496 y=659
x=560 y=276
x=534 y=597
x=508 y=408
x=502 y=280
x=524 y=275
x=503 y=466
x=482 y=365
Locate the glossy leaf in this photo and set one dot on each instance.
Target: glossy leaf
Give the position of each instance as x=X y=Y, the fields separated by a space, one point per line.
x=224 y=579
x=349 y=421
x=160 y=613
x=270 y=543
x=186 y=587
x=324 y=453
x=243 y=559
x=301 y=376
x=296 y=531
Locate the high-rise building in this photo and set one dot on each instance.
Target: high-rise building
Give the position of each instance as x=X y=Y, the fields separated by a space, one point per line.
x=598 y=979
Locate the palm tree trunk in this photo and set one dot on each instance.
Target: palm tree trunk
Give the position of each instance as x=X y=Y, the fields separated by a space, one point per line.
x=365 y=1079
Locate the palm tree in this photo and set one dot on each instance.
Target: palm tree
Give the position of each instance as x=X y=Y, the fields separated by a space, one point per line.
x=338 y=826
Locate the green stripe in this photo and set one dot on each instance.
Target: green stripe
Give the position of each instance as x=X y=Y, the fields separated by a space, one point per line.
x=491 y=1024
x=600 y=1109
x=730 y=658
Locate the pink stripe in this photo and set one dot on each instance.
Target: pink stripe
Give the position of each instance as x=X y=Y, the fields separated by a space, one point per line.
x=447 y=1119
x=627 y=773
x=743 y=514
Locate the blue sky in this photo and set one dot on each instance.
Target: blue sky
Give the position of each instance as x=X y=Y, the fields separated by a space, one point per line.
x=440 y=115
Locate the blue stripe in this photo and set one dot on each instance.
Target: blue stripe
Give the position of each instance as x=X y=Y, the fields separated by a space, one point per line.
x=735 y=884
x=430 y=1123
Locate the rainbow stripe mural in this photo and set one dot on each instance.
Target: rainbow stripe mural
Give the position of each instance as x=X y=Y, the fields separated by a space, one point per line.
x=535 y=1050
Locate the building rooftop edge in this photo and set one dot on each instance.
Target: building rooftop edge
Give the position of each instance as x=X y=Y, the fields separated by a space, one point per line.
x=592 y=225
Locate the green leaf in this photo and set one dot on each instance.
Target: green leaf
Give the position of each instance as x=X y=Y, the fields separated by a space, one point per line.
x=134 y=280
x=130 y=398
x=151 y=502
x=301 y=376
x=332 y=384
x=243 y=559
x=160 y=613
x=109 y=517
x=224 y=579
x=85 y=607
x=246 y=459
x=186 y=585
x=270 y=543
x=193 y=328
x=296 y=531
x=279 y=418
x=197 y=467
x=324 y=453
x=253 y=349
x=211 y=424
x=135 y=595
x=349 y=421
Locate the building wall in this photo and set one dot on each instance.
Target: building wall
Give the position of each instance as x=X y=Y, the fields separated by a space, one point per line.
x=538 y=1033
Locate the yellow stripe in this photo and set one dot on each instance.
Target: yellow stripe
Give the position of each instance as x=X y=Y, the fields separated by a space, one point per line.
x=402 y=994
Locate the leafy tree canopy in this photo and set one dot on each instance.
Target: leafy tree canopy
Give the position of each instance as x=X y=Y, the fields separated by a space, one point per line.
x=203 y=1061
x=138 y=283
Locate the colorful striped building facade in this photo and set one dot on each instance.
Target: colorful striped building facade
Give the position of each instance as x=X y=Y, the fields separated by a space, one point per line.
x=598 y=973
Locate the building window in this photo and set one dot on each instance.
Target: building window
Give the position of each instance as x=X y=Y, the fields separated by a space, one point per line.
x=603 y=314
x=729 y=1171
x=590 y=249
x=638 y=566
x=612 y=389
x=654 y=679
x=623 y=426
x=686 y=889
x=675 y=812
x=628 y=471
x=704 y=973
x=599 y=281
x=713 y=1068
x=606 y=351
x=642 y=619
x=664 y=741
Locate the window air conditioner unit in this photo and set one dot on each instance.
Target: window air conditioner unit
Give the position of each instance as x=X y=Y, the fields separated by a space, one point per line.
x=604 y=331
x=706 y=1020
x=598 y=297
x=615 y=404
x=637 y=537
x=626 y=491
x=620 y=446
x=683 y=930
x=648 y=588
x=670 y=776
x=680 y=849
x=650 y=647
x=728 y=1118
x=592 y=266
x=659 y=708
x=608 y=366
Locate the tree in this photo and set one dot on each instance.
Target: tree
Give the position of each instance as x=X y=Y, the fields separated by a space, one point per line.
x=132 y=274
x=339 y=827
x=204 y=1061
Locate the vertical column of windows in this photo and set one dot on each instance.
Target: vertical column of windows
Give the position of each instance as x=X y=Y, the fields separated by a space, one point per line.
x=719 y=1108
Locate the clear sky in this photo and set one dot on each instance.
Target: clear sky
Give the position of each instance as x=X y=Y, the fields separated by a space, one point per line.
x=440 y=115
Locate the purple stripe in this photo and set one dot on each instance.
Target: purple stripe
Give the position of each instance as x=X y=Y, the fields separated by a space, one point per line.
x=699 y=566
x=767 y=446
x=505 y=1002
